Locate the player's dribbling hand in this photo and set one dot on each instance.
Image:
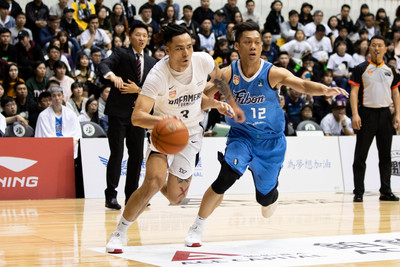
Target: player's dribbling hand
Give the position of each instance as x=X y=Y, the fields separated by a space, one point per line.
x=129 y=88
x=225 y=109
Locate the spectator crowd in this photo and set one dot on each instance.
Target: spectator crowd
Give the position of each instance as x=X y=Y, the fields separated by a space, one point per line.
x=62 y=46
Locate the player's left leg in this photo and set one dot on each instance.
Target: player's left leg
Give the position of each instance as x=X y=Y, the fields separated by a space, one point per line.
x=176 y=189
x=268 y=202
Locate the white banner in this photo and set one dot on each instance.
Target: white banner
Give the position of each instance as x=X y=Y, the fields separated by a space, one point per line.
x=372 y=181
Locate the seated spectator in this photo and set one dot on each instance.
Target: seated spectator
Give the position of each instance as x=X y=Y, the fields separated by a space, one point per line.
x=58 y=121
x=37 y=83
x=93 y=37
x=237 y=17
x=221 y=52
x=104 y=93
x=25 y=105
x=321 y=45
x=341 y=64
x=158 y=53
x=361 y=51
x=333 y=24
x=58 y=8
x=82 y=73
x=169 y=15
x=65 y=47
x=218 y=27
x=249 y=14
x=305 y=13
x=1 y=93
x=382 y=21
x=293 y=105
x=165 y=4
x=28 y=53
x=203 y=11
x=53 y=55
x=129 y=11
x=82 y=11
x=11 y=79
x=307 y=113
x=6 y=21
x=297 y=48
x=76 y=102
x=345 y=20
x=343 y=36
x=305 y=74
x=269 y=47
x=337 y=123
x=119 y=31
x=99 y=5
x=206 y=36
x=274 y=19
x=20 y=21
x=8 y=52
x=37 y=14
x=104 y=23
x=311 y=28
x=283 y=61
x=91 y=111
x=44 y=101
x=57 y=43
x=289 y=28
x=187 y=20
x=50 y=31
x=9 y=107
x=315 y=68
x=14 y=9
x=60 y=70
x=69 y=24
x=145 y=16
x=95 y=58
x=371 y=26
x=117 y=15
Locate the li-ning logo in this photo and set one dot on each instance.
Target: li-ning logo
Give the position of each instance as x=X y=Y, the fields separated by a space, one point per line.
x=17 y=165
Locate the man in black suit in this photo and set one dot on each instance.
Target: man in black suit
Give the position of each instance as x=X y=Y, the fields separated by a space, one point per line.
x=127 y=68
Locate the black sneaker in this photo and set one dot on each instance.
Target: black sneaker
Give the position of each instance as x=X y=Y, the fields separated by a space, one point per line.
x=388 y=197
x=358 y=198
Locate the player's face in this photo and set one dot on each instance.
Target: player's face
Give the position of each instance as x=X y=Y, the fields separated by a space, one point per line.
x=377 y=49
x=249 y=45
x=180 y=52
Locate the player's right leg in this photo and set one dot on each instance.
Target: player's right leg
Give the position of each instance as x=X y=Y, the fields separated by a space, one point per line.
x=156 y=170
x=211 y=200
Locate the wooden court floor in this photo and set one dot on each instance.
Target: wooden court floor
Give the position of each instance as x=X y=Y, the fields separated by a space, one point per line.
x=60 y=232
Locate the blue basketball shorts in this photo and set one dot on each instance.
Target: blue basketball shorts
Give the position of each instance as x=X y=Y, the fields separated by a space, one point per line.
x=264 y=158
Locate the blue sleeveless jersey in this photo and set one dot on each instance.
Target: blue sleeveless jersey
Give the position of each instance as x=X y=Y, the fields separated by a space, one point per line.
x=260 y=103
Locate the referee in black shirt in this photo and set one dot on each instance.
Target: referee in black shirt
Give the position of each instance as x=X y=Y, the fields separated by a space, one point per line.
x=374 y=86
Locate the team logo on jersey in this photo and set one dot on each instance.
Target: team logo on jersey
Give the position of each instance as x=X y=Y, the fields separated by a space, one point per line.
x=236 y=79
x=388 y=74
x=172 y=94
x=370 y=72
x=260 y=83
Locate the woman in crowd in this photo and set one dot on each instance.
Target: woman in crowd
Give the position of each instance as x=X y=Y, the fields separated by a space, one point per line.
x=221 y=52
x=382 y=21
x=305 y=14
x=62 y=36
x=274 y=19
x=91 y=112
x=60 y=70
x=169 y=15
x=37 y=83
x=119 y=31
x=396 y=40
x=104 y=23
x=333 y=23
x=360 y=23
x=82 y=73
x=11 y=79
x=158 y=53
x=360 y=52
x=116 y=42
x=297 y=47
x=77 y=102
x=237 y=17
x=117 y=15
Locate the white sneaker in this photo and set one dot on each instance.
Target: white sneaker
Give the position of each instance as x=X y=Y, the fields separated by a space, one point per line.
x=115 y=243
x=193 y=239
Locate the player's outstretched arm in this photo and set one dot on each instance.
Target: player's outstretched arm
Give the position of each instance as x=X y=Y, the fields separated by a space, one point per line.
x=141 y=113
x=222 y=107
x=220 y=80
x=280 y=76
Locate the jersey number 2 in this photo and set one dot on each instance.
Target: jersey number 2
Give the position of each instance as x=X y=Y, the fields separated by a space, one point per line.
x=258 y=113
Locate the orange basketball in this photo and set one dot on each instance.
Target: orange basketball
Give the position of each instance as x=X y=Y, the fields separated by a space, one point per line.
x=170 y=136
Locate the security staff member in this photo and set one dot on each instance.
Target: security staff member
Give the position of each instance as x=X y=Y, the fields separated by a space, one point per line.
x=374 y=86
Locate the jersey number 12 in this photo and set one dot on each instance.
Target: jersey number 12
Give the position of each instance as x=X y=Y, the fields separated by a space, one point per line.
x=258 y=113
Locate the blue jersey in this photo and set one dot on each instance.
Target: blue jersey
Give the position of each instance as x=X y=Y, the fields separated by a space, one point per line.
x=259 y=102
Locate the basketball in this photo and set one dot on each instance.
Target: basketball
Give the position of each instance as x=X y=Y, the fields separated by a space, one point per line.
x=170 y=136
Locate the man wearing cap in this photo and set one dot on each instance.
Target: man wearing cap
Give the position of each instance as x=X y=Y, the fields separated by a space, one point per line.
x=374 y=87
x=337 y=123
x=20 y=21
x=57 y=9
x=229 y=9
x=58 y=120
x=305 y=13
x=218 y=27
x=7 y=51
x=289 y=28
x=28 y=53
x=6 y=21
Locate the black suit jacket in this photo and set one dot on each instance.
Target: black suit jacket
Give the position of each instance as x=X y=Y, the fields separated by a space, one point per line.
x=122 y=63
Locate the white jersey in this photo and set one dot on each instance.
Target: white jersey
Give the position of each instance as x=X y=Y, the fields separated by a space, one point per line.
x=174 y=98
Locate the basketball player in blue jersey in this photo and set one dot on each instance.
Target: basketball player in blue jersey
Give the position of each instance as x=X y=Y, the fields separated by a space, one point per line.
x=259 y=143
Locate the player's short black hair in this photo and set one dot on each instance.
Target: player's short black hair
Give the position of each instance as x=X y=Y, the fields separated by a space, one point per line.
x=243 y=27
x=138 y=25
x=172 y=30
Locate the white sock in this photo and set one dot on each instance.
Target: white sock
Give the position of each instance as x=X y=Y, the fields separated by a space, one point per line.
x=123 y=225
x=200 y=221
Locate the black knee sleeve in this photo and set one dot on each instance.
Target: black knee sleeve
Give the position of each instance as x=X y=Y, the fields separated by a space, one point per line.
x=268 y=199
x=226 y=178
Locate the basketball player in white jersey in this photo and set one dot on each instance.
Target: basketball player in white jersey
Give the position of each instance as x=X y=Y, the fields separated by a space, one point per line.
x=174 y=87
